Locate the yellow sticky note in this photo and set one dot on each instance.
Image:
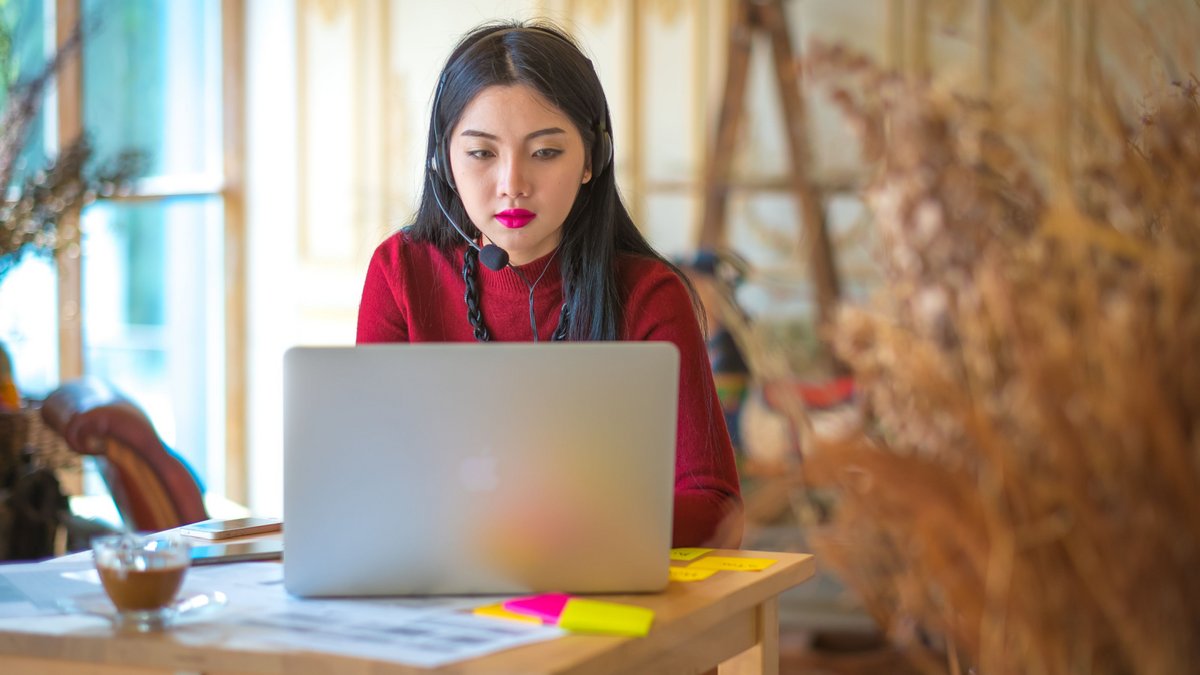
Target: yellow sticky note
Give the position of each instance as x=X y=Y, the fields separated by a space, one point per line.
x=688 y=574
x=734 y=564
x=498 y=612
x=688 y=553
x=605 y=618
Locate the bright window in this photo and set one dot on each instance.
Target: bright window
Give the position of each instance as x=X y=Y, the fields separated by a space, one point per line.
x=152 y=264
x=29 y=291
x=152 y=268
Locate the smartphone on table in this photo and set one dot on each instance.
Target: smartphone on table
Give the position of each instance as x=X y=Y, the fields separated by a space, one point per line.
x=237 y=527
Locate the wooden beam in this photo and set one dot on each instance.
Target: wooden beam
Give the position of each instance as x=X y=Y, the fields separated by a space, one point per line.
x=712 y=227
x=989 y=46
x=233 y=37
x=633 y=156
x=895 y=34
x=809 y=202
x=69 y=83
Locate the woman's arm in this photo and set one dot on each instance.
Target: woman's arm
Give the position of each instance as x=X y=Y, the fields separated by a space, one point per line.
x=708 y=503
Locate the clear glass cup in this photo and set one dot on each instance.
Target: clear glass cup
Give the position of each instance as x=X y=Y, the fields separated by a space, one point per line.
x=142 y=576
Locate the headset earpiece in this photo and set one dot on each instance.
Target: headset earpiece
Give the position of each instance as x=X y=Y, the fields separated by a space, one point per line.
x=602 y=150
x=439 y=164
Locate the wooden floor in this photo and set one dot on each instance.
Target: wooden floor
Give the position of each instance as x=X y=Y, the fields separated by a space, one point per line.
x=801 y=653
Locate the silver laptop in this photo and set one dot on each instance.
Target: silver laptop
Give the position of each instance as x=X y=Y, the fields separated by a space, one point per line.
x=435 y=469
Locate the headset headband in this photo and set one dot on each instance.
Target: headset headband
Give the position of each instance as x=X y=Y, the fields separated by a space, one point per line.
x=439 y=163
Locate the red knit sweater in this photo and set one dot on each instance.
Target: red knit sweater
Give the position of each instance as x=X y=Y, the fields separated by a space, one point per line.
x=414 y=294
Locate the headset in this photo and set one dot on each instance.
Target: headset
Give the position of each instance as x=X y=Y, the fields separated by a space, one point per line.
x=491 y=256
x=439 y=162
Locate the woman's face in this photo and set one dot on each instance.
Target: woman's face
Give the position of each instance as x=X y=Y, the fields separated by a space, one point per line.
x=518 y=162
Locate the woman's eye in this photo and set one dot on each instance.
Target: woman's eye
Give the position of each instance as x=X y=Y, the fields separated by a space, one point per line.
x=547 y=153
x=479 y=154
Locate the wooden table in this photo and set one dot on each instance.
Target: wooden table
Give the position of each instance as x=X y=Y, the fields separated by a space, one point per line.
x=730 y=619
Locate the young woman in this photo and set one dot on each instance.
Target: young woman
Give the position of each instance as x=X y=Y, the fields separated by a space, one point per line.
x=521 y=236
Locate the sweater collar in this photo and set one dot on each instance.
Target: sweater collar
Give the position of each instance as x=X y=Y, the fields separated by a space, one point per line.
x=508 y=282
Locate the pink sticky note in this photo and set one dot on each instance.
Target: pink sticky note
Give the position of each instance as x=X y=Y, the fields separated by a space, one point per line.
x=546 y=607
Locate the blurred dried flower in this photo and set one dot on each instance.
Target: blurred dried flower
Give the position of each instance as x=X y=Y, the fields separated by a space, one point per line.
x=1027 y=485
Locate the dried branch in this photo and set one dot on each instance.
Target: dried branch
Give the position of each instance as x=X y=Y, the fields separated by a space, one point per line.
x=29 y=223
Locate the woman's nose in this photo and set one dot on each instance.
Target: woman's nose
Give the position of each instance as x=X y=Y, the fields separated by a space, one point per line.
x=514 y=181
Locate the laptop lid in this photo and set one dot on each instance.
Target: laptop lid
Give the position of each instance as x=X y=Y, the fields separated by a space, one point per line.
x=427 y=469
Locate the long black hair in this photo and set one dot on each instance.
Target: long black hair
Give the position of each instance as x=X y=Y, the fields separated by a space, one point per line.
x=598 y=227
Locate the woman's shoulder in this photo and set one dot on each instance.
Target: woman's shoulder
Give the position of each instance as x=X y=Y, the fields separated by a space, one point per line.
x=398 y=241
x=637 y=270
x=658 y=304
x=644 y=277
x=401 y=247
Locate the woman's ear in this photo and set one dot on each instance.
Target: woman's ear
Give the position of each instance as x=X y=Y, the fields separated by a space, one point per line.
x=587 y=173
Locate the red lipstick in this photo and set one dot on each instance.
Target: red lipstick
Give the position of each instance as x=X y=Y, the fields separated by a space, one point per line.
x=515 y=219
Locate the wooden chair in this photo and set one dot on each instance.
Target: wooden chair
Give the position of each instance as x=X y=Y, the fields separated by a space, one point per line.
x=153 y=488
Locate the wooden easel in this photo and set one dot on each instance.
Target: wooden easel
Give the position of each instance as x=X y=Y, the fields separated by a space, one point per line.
x=767 y=16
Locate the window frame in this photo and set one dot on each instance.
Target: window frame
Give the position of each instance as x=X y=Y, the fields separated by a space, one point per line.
x=228 y=188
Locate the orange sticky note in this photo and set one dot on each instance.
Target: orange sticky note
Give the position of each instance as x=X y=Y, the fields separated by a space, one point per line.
x=686 y=554
x=733 y=564
x=605 y=618
x=689 y=574
x=498 y=612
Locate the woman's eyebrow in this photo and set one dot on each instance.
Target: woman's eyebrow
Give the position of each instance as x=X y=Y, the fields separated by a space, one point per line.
x=548 y=131
x=544 y=132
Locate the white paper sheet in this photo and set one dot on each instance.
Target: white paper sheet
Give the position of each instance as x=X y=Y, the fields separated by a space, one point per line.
x=33 y=589
x=424 y=632
x=261 y=616
x=425 y=639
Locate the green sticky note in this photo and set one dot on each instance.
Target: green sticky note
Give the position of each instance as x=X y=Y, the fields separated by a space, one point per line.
x=732 y=564
x=605 y=618
x=688 y=553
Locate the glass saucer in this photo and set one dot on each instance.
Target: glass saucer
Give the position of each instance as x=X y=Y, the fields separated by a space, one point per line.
x=190 y=605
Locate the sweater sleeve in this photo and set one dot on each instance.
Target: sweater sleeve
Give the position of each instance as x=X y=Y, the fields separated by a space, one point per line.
x=708 y=503
x=382 y=314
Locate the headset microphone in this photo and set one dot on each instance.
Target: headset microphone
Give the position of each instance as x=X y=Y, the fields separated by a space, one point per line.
x=492 y=256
